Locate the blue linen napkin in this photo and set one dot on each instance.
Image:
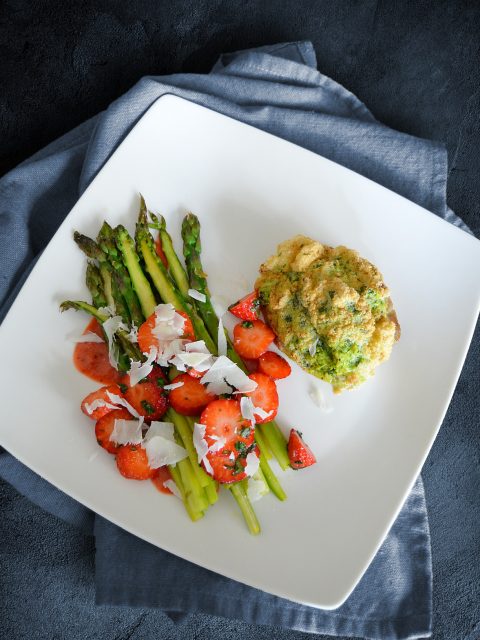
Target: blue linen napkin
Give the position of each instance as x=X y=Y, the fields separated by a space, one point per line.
x=279 y=90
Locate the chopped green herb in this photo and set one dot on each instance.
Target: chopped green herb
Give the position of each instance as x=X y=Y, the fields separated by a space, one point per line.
x=147 y=406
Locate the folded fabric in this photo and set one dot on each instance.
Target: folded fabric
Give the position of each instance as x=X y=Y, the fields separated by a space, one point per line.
x=279 y=90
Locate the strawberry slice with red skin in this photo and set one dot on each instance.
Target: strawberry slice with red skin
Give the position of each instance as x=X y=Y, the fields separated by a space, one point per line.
x=132 y=462
x=300 y=454
x=148 y=399
x=265 y=396
x=273 y=365
x=157 y=376
x=105 y=426
x=100 y=394
x=223 y=419
x=252 y=338
x=147 y=340
x=247 y=307
x=191 y=398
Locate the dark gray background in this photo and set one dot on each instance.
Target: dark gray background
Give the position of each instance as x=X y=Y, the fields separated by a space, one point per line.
x=416 y=66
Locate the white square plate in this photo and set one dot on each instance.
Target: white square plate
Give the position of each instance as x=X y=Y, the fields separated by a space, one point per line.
x=252 y=190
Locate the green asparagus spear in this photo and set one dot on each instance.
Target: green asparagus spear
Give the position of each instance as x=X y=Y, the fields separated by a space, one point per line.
x=245 y=506
x=177 y=478
x=91 y=249
x=93 y=279
x=140 y=283
x=106 y=241
x=165 y=285
x=270 y=477
x=111 y=288
x=175 y=266
x=184 y=431
x=197 y=277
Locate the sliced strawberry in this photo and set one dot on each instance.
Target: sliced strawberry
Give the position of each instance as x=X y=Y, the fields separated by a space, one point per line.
x=223 y=419
x=300 y=454
x=157 y=376
x=226 y=470
x=101 y=395
x=132 y=462
x=91 y=358
x=246 y=308
x=148 y=399
x=251 y=339
x=147 y=340
x=191 y=398
x=251 y=365
x=273 y=365
x=265 y=396
x=104 y=428
x=159 y=251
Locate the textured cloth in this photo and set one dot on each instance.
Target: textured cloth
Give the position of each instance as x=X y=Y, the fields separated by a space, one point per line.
x=277 y=89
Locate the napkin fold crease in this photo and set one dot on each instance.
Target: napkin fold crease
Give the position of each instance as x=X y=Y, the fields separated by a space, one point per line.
x=277 y=89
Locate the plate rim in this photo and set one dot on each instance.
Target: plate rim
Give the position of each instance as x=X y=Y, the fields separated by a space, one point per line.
x=454 y=380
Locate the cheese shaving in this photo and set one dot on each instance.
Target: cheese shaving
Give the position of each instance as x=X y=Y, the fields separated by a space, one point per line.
x=161 y=452
x=220 y=305
x=122 y=402
x=222 y=339
x=207 y=465
x=239 y=379
x=133 y=334
x=199 y=441
x=218 y=445
x=198 y=347
x=127 y=432
x=111 y=326
x=261 y=413
x=312 y=349
x=107 y=311
x=191 y=360
x=247 y=409
x=257 y=487
x=225 y=374
x=197 y=295
x=89 y=336
x=174 y=385
x=163 y=429
x=140 y=370
x=319 y=399
x=253 y=462
x=97 y=404
x=168 y=350
x=169 y=325
x=171 y=486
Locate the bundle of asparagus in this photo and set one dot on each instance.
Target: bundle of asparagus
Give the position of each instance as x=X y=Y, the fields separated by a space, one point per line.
x=127 y=277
